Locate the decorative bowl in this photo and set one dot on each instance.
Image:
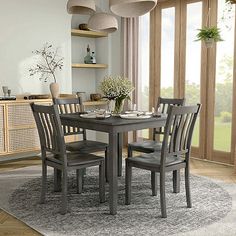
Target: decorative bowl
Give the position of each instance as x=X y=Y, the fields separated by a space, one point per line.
x=95 y=96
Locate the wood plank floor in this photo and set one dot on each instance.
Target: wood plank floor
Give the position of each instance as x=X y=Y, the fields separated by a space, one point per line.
x=10 y=226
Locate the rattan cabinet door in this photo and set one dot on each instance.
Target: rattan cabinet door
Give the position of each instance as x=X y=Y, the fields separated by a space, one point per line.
x=22 y=133
x=2 y=129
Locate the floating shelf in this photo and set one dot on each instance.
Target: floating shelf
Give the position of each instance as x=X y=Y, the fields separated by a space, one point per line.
x=87 y=33
x=95 y=103
x=98 y=66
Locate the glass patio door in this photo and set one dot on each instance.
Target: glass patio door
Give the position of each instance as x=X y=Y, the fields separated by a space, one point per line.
x=183 y=67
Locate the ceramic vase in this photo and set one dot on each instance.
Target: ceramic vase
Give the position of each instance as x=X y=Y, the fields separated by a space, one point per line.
x=209 y=42
x=54 y=89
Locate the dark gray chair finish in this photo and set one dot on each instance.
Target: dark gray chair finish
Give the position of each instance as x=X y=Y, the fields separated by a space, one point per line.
x=70 y=106
x=174 y=155
x=148 y=146
x=54 y=154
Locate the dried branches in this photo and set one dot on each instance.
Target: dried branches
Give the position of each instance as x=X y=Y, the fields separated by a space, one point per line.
x=49 y=63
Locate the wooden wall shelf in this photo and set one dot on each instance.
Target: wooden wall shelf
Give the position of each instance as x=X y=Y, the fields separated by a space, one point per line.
x=90 y=34
x=98 y=66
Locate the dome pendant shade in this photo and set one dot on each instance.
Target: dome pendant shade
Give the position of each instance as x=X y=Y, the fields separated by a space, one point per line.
x=131 y=8
x=103 y=22
x=83 y=7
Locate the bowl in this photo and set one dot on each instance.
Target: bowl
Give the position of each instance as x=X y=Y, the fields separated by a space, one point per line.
x=95 y=96
x=83 y=27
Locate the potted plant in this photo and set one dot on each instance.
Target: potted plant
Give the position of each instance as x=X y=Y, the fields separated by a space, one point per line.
x=209 y=35
x=231 y=1
x=48 y=63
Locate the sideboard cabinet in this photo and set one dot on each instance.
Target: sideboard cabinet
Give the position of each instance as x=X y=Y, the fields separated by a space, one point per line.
x=18 y=131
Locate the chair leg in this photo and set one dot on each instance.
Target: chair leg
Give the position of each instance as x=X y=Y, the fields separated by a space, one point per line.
x=106 y=164
x=129 y=151
x=154 y=183
x=187 y=188
x=44 y=180
x=102 y=182
x=162 y=195
x=79 y=180
x=64 y=192
x=128 y=176
x=57 y=180
x=176 y=181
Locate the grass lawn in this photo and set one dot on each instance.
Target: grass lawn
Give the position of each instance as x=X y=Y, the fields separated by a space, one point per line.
x=222 y=135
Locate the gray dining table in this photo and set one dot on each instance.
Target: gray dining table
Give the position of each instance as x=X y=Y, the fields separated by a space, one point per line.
x=115 y=127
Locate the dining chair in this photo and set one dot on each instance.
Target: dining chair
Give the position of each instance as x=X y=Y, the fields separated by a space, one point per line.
x=73 y=105
x=54 y=154
x=152 y=145
x=174 y=155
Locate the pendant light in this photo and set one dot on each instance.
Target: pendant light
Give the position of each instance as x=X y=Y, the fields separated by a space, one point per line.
x=83 y=7
x=131 y=8
x=103 y=22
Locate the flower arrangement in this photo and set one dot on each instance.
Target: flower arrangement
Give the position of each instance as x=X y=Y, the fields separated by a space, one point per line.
x=116 y=88
x=48 y=63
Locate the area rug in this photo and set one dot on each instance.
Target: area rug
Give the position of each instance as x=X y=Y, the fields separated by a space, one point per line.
x=213 y=211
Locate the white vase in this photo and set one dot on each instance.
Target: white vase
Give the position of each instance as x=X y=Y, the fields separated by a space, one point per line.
x=209 y=42
x=54 y=89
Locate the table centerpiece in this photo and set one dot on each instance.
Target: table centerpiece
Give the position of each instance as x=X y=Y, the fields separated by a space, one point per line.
x=116 y=89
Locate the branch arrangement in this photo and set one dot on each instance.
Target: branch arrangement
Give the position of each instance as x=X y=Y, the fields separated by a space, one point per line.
x=49 y=64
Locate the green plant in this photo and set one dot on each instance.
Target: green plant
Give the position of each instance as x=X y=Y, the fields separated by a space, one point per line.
x=209 y=33
x=48 y=63
x=230 y=1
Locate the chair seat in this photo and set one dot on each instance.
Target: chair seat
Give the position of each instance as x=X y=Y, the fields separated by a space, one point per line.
x=74 y=159
x=154 y=160
x=146 y=146
x=86 y=146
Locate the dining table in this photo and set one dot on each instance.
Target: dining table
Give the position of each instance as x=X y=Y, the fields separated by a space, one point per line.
x=114 y=126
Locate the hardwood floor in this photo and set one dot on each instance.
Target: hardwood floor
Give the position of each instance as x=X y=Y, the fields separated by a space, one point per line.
x=10 y=226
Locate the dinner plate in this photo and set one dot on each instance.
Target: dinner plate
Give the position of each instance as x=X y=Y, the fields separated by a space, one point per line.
x=134 y=116
x=93 y=116
x=139 y=112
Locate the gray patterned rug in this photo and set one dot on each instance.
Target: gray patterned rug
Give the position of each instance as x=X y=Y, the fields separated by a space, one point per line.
x=211 y=204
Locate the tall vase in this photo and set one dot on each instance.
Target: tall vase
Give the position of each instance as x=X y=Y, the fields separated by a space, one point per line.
x=119 y=104
x=54 y=89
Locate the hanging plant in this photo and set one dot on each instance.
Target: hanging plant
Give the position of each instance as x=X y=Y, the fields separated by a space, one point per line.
x=209 y=35
x=231 y=1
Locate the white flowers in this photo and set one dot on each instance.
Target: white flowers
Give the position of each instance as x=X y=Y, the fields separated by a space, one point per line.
x=116 y=87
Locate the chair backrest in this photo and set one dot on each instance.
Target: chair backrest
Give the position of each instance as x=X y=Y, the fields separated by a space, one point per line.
x=179 y=130
x=67 y=106
x=49 y=129
x=163 y=105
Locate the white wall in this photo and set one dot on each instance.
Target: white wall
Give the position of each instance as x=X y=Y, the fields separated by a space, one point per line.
x=25 y=26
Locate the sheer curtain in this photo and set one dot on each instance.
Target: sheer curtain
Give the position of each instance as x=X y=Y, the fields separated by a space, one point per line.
x=130 y=53
x=130 y=28
x=136 y=42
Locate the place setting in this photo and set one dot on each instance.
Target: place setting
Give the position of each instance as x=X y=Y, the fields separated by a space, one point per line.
x=96 y=114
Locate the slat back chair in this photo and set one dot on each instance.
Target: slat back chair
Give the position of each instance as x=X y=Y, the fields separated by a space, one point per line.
x=53 y=152
x=73 y=105
x=67 y=106
x=174 y=155
x=148 y=146
x=162 y=106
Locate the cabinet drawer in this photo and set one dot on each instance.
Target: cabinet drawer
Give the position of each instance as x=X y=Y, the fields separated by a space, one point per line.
x=23 y=140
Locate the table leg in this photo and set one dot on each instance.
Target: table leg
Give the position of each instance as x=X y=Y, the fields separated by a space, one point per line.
x=113 y=180
x=120 y=145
